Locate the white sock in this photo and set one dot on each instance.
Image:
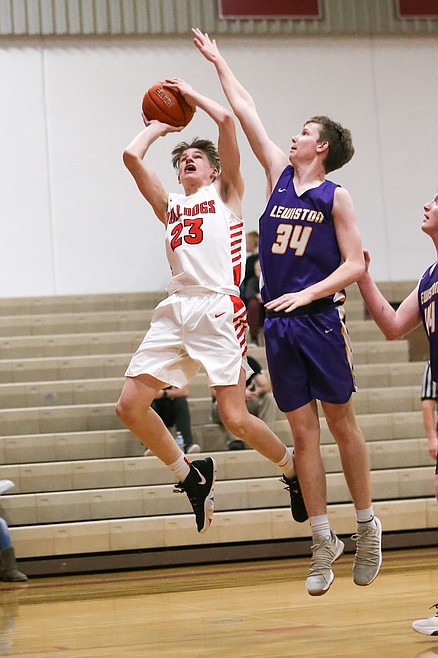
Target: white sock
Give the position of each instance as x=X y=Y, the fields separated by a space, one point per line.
x=320 y=526
x=180 y=468
x=365 y=516
x=287 y=464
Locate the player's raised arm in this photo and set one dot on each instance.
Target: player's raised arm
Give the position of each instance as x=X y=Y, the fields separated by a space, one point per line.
x=270 y=156
x=146 y=179
x=230 y=182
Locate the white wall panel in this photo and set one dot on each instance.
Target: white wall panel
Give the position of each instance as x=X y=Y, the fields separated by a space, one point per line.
x=72 y=220
x=26 y=240
x=405 y=109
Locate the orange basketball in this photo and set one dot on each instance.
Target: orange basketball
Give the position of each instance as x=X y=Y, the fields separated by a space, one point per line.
x=166 y=105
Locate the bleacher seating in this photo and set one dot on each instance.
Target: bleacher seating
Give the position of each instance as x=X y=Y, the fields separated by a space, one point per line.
x=83 y=484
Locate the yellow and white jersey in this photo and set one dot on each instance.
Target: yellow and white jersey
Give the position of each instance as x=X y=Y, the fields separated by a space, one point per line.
x=205 y=244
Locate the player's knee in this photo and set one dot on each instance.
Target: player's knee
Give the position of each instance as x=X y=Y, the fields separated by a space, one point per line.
x=235 y=423
x=344 y=429
x=124 y=410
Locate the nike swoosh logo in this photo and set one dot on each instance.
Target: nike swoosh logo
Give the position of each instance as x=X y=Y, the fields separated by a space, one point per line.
x=202 y=479
x=327 y=331
x=217 y=315
x=281 y=189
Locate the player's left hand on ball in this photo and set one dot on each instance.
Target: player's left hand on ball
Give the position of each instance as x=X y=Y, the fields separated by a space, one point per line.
x=165 y=127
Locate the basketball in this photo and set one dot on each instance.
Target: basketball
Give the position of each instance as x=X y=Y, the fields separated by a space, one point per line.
x=166 y=105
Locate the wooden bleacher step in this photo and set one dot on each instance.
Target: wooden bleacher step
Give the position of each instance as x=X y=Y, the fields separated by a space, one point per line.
x=83 y=484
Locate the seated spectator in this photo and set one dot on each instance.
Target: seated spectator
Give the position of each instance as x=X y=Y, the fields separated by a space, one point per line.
x=252 y=254
x=255 y=309
x=8 y=564
x=259 y=401
x=173 y=408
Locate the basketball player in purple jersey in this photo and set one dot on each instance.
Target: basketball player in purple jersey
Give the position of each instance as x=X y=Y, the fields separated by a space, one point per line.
x=418 y=307
x=310 y=250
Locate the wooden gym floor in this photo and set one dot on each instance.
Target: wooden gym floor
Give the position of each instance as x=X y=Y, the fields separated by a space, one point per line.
x=232 y=610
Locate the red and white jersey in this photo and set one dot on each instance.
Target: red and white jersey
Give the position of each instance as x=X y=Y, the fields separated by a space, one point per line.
x=205 y=243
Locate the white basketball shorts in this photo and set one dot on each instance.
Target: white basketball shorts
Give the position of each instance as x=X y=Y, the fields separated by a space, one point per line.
x=188 y=331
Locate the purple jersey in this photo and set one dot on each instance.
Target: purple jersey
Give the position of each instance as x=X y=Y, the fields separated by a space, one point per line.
x=308 y=350
x=298 y=245
x=427 y=302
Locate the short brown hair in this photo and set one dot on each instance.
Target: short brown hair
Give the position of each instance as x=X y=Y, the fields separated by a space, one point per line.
x=204 y=145
x=341 y=148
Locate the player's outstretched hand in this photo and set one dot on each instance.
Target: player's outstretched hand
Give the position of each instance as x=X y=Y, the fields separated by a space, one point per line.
x=205 y=45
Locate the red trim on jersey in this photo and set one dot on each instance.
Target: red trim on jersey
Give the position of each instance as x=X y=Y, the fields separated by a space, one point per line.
x=240 y=322
x=238 y=305
x=237 y=274
x=236 y=237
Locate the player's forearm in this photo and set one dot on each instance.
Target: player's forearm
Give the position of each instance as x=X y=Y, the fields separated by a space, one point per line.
x=238 y=97
x=378 y=307
x=139 y=146
x=217 y=112
x=430 y=430
x=429 y=419
x=346 y=274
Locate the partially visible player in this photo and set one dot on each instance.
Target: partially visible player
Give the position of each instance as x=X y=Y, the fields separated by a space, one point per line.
x=420 y=306
x=427 y=626
x=429 y=400
x=310 y=250
x=203 y=320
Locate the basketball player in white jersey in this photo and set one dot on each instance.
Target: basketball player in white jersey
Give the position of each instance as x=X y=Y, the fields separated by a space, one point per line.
x=203 y=320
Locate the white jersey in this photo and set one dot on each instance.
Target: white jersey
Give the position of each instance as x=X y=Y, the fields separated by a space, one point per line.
x=204 y=243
